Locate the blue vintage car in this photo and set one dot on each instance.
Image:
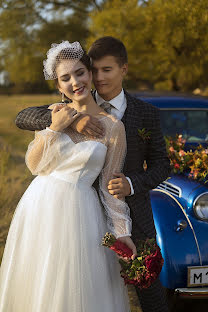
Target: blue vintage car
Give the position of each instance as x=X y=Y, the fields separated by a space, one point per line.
x=180 y=205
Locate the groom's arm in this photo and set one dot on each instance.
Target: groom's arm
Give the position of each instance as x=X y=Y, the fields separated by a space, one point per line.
x=158 y=164
x=39 y=117
x=34 y=118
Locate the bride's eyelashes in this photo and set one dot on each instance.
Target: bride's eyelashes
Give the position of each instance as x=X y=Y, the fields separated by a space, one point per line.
x=81 y=73
x=68 y=78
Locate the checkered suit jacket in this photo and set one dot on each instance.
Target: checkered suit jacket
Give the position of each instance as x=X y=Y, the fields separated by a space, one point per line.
x=138 y=115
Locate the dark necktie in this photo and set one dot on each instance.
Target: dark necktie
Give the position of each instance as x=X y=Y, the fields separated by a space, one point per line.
x=107 y=107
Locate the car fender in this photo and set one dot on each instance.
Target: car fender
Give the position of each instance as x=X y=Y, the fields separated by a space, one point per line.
x=179 y=247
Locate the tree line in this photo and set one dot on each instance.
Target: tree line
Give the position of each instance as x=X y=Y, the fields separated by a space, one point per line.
x=166 y=39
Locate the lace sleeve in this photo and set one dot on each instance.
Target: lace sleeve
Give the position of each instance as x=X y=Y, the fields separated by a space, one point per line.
x=43 y=152
x=117 y=211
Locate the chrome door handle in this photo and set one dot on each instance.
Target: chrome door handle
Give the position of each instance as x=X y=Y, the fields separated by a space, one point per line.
x=181 y=225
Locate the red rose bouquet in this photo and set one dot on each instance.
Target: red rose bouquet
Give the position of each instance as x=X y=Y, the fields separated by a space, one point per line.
x=145 y=268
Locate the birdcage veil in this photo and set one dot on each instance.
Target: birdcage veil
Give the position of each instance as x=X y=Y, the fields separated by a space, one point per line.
x=61 y=51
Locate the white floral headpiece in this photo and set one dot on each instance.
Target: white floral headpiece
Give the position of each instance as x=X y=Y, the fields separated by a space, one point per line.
x=71 y=51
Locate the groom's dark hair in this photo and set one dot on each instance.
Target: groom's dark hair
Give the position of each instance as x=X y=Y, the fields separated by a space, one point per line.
x=109 y=46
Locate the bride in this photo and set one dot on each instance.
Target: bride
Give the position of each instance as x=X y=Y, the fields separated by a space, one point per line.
x=53 y=259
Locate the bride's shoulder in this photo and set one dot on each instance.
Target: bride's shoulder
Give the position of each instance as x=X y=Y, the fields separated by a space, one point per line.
x=113 y=127
x=112 y=122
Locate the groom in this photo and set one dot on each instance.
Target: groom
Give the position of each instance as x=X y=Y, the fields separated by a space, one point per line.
x=109 y=66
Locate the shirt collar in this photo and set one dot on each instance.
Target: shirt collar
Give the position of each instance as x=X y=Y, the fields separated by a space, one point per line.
x=116 y=102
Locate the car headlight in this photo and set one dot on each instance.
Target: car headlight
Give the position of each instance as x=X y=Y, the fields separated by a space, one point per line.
x=201 y=207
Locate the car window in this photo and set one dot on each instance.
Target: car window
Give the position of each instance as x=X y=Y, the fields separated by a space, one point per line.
x=192 y=124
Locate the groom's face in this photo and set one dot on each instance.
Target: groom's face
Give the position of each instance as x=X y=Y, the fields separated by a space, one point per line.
x=108 y=76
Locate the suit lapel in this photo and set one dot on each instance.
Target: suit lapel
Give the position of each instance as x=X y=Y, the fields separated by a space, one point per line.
x=133 y=115
x=133 y=120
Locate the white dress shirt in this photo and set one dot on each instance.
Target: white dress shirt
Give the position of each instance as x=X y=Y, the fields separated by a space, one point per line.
x=118 y=108
x=118 y=104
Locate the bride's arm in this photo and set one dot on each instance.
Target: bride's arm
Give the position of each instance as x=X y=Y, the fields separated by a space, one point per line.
x=117 y=211
x=43 y=152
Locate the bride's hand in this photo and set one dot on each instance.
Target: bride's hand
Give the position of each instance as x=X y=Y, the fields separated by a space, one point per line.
x=89 y=126
x=128 y=241
x=62 y=117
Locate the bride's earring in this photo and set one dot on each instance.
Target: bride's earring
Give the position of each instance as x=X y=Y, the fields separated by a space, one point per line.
x=62 y=97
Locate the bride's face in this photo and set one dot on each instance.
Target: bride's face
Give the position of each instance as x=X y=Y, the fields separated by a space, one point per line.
x=74 y=80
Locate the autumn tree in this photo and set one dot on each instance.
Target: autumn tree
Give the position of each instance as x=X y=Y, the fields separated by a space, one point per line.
x=27 y=29
x=166 y=40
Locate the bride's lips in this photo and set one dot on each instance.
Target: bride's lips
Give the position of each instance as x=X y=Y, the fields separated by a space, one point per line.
x=79 y=90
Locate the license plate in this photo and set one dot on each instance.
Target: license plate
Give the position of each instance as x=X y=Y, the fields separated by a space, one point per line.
x=197 y=276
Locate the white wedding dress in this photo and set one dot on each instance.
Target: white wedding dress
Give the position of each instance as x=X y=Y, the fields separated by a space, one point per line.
x=53 y=259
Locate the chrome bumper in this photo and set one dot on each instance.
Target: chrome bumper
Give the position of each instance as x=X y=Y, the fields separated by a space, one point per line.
x=192 y=293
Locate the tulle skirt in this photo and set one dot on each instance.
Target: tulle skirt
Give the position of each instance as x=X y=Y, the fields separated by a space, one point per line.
x=53 y=259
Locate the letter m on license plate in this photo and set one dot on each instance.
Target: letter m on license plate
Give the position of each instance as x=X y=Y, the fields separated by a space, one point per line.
x=197 y=276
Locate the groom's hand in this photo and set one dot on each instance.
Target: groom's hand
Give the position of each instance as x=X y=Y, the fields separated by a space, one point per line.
x=119 y=187
x=88 y=125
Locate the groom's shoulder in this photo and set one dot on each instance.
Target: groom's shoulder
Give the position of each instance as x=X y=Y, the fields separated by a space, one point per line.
x=139 y=104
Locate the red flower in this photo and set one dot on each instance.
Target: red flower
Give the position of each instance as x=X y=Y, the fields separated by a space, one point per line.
x=177 y=166
x=153 y=262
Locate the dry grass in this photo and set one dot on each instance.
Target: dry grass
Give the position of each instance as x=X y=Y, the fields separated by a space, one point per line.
x=14 y=175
